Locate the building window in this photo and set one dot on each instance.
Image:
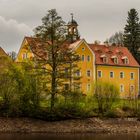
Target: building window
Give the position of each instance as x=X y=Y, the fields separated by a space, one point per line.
x=77 y=87
x=66 y=86
x=111 y=74
x=132 y=88
x=115 y=60
x=99 y=74
x=78 y=73
x=126 y=61
x=88 y=87
x=105 y=59
x=131 y=75
x=83 y=58
x=88 y=73
x=24 y=56
x=83 y=48
x=66 y=72
x=121 y=74
x=88 y=58
x=121 y=88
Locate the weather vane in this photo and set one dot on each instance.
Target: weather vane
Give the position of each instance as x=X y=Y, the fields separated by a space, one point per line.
x=72 y=16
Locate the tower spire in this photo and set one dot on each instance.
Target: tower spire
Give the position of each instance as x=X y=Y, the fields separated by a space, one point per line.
x=72 y=15
x=72 y=25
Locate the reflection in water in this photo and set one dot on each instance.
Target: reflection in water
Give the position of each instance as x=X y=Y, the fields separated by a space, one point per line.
x=67 y=137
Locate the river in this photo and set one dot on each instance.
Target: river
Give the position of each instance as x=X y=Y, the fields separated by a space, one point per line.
x=68 y=137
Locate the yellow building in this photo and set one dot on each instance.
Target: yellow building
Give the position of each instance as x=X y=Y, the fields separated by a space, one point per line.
x=98 y=62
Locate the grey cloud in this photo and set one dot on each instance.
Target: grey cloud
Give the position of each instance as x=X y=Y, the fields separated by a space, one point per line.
x=97 y=19
x=11 y=33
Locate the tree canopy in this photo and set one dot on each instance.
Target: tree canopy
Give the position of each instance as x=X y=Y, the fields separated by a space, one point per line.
x=132 y=33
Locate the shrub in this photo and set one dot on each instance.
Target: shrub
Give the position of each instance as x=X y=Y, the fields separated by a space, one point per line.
x=106 y=94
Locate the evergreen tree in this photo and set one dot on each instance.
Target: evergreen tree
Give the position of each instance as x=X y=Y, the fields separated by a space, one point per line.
x=132 y=33
x=58 y=54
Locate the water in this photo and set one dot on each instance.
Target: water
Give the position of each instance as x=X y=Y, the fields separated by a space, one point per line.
x=68 y=137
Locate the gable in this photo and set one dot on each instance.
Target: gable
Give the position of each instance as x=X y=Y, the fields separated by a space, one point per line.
x=24 y=49
x=2 y=52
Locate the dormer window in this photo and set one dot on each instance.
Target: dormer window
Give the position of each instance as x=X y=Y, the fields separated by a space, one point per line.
x=104 y=58
x=115 y=59
x=125 y=60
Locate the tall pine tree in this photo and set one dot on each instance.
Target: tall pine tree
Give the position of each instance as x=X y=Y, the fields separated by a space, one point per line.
x=132 y=33
x=59 y=56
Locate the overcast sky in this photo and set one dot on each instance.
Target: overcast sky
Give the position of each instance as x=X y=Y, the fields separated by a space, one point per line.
x=97 y=19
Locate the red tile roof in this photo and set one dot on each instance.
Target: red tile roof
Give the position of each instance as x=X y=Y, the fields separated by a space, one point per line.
x=38 y=47
x=113 y=51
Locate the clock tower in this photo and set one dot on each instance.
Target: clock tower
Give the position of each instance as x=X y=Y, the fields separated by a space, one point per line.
x=73 y=34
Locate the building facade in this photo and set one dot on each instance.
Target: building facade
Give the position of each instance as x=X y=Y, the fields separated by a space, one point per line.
x=98 y=62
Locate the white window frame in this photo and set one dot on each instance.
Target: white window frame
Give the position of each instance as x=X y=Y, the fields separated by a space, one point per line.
x=110 y=74
x=88 y=87
x=24 y=56
x=121 y=88
x=98 y=73
x=133 y=76
x=133 y=88
x=120 y=74
x=89 y=72
x=83 y=57
x=116 y=61
x=88 y=58
x=105 y=59
x=126 y=61
x=79 y=73
x=83 y=48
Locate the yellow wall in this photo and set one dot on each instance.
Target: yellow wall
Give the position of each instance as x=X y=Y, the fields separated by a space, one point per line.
x=84 y=66
x=25 y=48
x=126 y=81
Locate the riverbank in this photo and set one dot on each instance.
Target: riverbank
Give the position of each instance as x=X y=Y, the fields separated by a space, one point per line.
x=90 y=125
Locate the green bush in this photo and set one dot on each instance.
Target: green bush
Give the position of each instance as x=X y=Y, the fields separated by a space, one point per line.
x=105 y=94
